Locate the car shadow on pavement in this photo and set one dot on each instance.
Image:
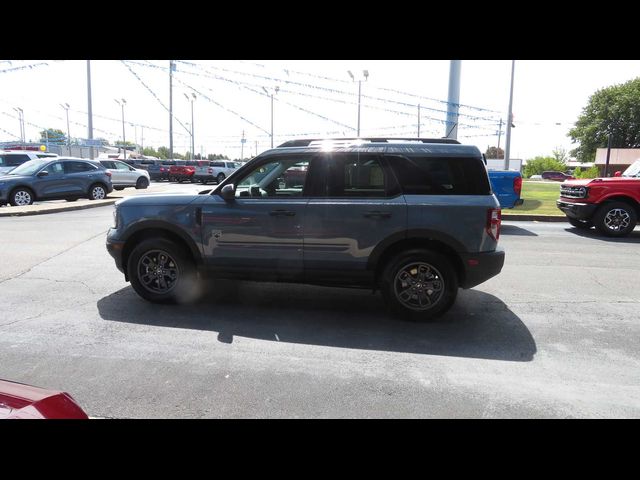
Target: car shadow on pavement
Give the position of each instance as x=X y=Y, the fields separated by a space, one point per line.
x=513 y=230
x=478 y=326
x=633 y=237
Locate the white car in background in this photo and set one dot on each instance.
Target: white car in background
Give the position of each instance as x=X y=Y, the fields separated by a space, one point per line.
x=123 y=175
x=214 y=171
x=10 y=159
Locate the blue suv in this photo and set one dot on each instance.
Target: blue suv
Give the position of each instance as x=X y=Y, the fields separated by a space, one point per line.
x=59 y=178
x=414 y=218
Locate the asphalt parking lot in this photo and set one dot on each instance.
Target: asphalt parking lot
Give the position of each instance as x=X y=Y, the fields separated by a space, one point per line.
x=553 y=336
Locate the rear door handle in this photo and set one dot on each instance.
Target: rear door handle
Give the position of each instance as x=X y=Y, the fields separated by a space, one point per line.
x=282 y=213
x=377 y=213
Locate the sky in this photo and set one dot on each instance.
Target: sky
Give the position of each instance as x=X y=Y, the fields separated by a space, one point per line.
x=315 y=98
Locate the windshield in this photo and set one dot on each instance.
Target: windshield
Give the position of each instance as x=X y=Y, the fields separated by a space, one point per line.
x=28 y=168
x=633 y=170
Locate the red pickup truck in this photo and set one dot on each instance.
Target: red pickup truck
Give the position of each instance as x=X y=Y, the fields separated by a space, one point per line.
x=180 y=173
x=612 y=205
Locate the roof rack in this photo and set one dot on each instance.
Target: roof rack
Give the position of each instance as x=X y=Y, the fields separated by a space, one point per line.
x=306 y=143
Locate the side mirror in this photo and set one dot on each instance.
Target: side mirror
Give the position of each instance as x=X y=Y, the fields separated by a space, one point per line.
x=43 y=173
x=617 y=174
x=228 y=192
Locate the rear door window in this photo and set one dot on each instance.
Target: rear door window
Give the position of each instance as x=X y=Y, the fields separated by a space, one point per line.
x=423 y=175
x=13 y=160
x=77 y=167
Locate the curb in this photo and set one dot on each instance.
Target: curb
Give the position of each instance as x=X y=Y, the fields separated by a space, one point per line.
x=66 y=208
x=535 y=218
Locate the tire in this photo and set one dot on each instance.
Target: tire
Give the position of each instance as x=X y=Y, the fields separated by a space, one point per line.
x=203 y=181
x=220 y=178
x=21 y=197
x=142 y=183
x=582 y=224
x=97 y=191
x=171 y=179
x=177 y=261
x=615 y=219
x=118 y=188
x=432 y=264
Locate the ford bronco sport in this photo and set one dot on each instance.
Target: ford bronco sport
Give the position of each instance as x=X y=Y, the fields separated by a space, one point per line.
x=415 y=218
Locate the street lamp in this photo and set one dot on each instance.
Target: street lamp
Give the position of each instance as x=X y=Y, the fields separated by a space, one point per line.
x=21 y=120
x=191 y=99
x=277 y=89
x=366 y=76
x=66 y=107
x=122 y=104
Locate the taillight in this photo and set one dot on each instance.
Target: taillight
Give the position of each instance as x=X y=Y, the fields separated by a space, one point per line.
x=161 y=169
x=494 y=219
x=210 y=170
x=517 y=185
x=108 y=173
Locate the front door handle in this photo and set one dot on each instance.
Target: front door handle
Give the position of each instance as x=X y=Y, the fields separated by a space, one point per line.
x=282 y=213
x=377 y=213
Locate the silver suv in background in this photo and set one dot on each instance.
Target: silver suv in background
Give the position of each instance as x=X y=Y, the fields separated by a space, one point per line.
x=214 y=171
x=11 y=159
x=124 y=175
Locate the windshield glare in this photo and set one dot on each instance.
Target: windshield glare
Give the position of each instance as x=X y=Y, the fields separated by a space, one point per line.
x=633 y=170
x=28 y=168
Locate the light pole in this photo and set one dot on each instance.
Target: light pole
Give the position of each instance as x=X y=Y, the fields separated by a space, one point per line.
x=89 y=110
x=191 y=99
x=66 y=108
x=122 y=104
x=366 y=76
x=21 y=121
x=507 y=147
x=277 y=89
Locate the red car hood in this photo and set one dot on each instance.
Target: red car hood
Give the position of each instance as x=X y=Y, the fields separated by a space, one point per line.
x=24 y=401
x=586 y=181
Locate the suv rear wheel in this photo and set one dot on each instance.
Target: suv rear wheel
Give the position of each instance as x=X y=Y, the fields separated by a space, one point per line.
x=162 y=272
x=97 y=191
x=419 y=284
x=615 y=219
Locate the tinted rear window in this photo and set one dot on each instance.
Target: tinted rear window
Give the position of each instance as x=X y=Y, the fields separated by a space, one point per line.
x=13 y=160
x=440 y=175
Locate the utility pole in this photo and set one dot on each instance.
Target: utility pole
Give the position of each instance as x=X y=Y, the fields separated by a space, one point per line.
x=89 y=111
x=507 y=148
x=124 y=147
x=265 y=91
x=171 y=67
x=366 y=76
x=418 y=120
x=256 y=148
x=21 y=122
x=191 y=99
x=242 y=146
x=142 y=138
x=606 y=165
x=499 y=134
x=453 y=103
x=66 y=108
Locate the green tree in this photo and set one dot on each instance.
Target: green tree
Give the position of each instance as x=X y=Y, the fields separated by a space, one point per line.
x=150 y=152
x=614 y=110
x=54 y=136
x=163 y=153
x=217 y=156
x=588 y=173
x=560 y=154
x=494 y=152
x=537 y=165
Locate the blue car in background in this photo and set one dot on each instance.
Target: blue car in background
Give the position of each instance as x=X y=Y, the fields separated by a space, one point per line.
x=507 y=186
x=61 y=178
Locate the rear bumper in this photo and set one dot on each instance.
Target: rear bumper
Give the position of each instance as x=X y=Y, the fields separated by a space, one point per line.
x=580 y=211
x=480 y=267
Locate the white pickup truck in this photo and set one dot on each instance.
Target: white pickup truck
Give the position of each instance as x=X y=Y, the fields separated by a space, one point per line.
x=216 y=170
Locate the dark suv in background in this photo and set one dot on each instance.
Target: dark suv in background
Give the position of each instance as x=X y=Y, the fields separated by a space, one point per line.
x=415 y=218
x=61 y=178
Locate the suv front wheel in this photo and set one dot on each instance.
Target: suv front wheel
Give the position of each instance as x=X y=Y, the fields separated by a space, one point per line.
x=162 y=272
x=615 y=219
x=419 y=284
